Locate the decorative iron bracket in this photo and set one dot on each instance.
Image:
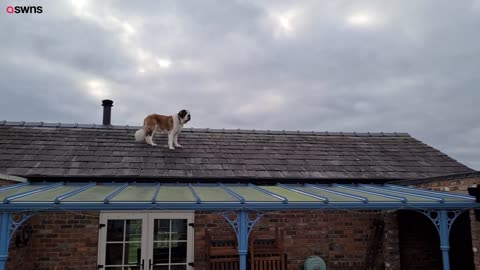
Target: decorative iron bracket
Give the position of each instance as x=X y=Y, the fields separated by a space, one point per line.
x=434 y=216
x=14 y=225
x=234 y=222
x=443 y=221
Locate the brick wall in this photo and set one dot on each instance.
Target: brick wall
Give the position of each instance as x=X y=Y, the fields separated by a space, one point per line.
x=341 y=238
x=60 y=241
x=458 y=185
x=391 y=247
x=7 y=182
x=419 y=242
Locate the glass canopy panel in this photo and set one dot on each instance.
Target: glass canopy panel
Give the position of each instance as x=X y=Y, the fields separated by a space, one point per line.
x=370 y=197
x=451 y=199
x=291 y=196
x=135 y=193
x=213 y=194
x=174 y=194
x=446 y=198
x=252 y=195
x=13 y=191
x=48 y=195
x=181 y=193
x=410 y=198
x=332 y=197
x=93 y=194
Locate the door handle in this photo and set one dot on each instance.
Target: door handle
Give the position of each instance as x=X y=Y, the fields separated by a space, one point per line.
x=150 y=264
x=143 y=264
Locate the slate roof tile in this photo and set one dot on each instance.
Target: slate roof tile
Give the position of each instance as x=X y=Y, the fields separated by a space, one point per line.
x=128 y=172
x=54 y=171
x=104 y=172
x=36 y=171
x=18 y=171
x=79 y=172
x=79 y=150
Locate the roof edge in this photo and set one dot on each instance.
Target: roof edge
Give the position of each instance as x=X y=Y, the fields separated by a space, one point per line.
x=122 y=179
x=205 y=130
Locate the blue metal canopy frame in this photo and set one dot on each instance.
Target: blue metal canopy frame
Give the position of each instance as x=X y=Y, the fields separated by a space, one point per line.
x=440 y=207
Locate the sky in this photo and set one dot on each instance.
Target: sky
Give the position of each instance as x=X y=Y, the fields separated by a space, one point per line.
x=364 y=66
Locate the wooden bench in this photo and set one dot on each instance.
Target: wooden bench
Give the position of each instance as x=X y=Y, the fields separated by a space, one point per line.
x=267 y=252
x=221 y=252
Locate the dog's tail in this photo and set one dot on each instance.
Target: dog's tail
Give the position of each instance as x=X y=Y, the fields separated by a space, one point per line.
x=140 y=135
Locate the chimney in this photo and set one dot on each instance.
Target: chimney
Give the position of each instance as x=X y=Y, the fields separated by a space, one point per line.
x=107 y=111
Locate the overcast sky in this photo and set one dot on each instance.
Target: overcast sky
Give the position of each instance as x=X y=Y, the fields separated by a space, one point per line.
x=405 y=66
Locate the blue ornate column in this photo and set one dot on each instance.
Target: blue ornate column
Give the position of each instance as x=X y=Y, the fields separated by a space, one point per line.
x=8 y=227
x=242 y=225
x=443 y=221
x=4 y=239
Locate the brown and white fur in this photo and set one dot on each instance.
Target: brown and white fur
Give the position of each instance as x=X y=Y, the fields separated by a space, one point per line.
x=172 y=124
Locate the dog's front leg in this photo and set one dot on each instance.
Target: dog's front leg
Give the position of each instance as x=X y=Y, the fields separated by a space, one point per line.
x=175 y=140
x=170 y=140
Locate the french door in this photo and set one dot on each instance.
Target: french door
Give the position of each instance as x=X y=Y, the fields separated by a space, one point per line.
x=145 y=241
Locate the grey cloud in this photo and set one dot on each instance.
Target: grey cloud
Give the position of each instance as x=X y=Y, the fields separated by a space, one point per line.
x=414 y=71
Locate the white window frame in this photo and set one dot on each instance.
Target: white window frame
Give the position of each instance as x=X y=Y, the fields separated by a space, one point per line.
x=102 y=232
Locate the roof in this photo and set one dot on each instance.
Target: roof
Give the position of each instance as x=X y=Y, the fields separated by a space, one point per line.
x=92 y=196
x=39 y=150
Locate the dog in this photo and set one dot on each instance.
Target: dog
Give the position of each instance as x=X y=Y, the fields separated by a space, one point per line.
x=172 y=124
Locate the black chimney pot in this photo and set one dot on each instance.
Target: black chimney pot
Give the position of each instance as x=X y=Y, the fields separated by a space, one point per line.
x=107 y=111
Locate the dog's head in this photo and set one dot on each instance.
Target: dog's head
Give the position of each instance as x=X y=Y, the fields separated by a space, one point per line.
x=184 y=116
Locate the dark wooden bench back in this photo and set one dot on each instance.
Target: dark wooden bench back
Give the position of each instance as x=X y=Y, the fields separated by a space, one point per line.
x=221 y=252
x=267 y=252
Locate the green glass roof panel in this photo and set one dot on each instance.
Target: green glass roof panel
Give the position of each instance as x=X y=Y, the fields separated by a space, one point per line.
x=213 y=194
x=210 y=193
x=370 y=197
x=14 y=191
x=440 y=195
x=135 y=193
x=251 y=194
x=93 y=194
x=48 y=195
x=332 y=197
x=451 y=199
x=291 y=196
x=410 y=198
x=175 y=194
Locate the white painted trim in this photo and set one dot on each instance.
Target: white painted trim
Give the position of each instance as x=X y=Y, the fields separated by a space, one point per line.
x=13 y=178
x=102 y=233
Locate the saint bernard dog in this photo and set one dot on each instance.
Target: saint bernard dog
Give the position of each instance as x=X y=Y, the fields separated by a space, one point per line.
x=172 y=124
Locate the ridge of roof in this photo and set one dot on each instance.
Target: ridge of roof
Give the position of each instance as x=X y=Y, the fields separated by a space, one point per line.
x=206 y=130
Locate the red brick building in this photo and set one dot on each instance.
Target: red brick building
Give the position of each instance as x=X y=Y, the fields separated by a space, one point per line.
x=343 y=238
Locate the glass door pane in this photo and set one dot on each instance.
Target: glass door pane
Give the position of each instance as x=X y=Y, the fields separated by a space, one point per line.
x=123 y=244
x=169 y=247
